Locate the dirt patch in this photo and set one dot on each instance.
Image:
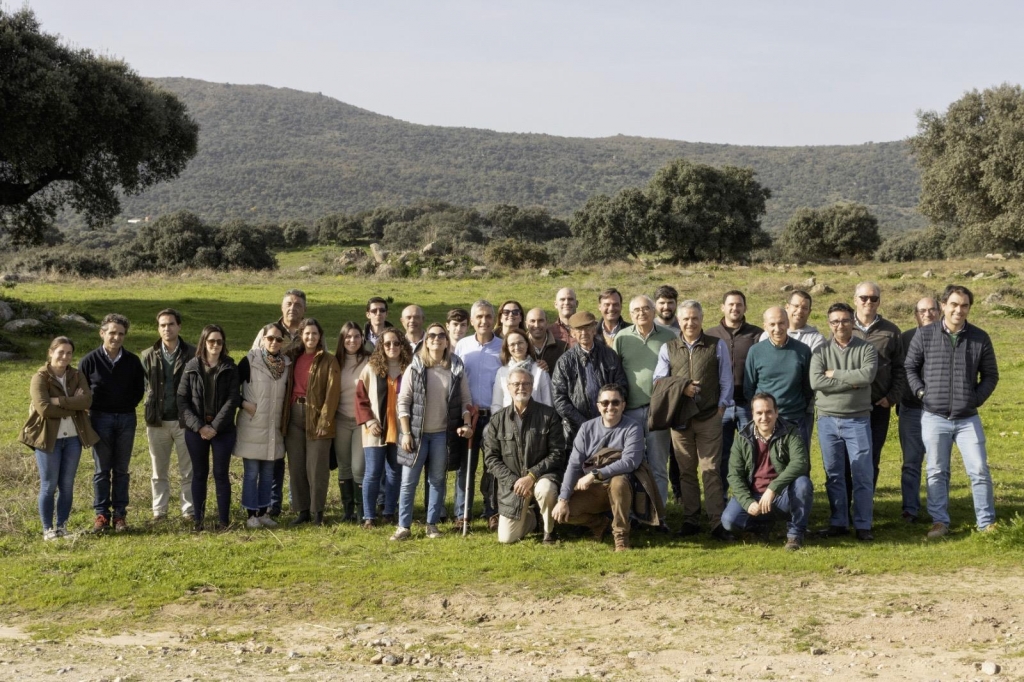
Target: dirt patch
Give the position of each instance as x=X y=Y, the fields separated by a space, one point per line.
x=850 y=627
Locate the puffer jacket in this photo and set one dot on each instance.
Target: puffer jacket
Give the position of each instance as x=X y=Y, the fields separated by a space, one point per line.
x=192 y=396
x=40 y=431
x=416 y=374
x=323 y=391
x=568 y=383
x=261 y=436
x=786 y=450
x=509 y=453
x=956 y=380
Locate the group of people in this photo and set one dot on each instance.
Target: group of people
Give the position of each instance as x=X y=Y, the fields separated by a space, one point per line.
x=583 y=420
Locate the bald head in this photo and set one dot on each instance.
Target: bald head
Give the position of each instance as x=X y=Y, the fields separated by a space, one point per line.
x=537 y=325
x=776 y=323
x=926 y=311
x=412 y=320
x=566 y=303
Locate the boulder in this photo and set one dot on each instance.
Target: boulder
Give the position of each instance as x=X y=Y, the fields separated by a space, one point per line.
x=545 y=272
x=424 y=272
x=821 y=288
x=927 y=274
x=350 y=256
x=994 y=297
x=808 y=283
x=431 y=249
x=968 y=273
x=74 y=318
x=6 y=311
x=385 y=271
x=379 y=254
x=980 y=275
x=994 y=256
x=22 y=325
x=786 y=288
x=479 y=269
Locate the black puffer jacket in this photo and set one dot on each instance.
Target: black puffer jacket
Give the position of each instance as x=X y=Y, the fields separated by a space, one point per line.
x=956 y=380
x=192 y=401
x=568 y=384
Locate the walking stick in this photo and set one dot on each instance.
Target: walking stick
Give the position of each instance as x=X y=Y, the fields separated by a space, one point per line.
x=469 y=474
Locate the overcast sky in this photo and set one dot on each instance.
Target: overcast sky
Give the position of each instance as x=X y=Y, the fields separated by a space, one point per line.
x=753 y=72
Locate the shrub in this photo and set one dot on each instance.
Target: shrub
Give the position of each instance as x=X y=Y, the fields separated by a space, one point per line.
x=295 y=235
x=62 y=261
x=929 y=244
x=514 y=254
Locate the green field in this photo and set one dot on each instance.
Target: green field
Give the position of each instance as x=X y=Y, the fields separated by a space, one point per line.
x=118 y=582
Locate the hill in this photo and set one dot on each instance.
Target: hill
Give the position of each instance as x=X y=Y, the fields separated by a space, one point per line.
x=275 y=153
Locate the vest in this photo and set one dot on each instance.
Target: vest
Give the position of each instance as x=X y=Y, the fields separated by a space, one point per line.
x=262 y=436
x=699 y=364
x=418 y=376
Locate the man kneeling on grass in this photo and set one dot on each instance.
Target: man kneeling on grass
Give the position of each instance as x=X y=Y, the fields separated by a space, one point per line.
x=524 y=449
x=607 y=456
x=768 y=475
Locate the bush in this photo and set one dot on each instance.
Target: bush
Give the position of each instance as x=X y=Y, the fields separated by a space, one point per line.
x=245 y=247
x=929 y=244
x=515 y=254
x=836 y=232
x=295 y=235
x=565 y=252
x=62 y=261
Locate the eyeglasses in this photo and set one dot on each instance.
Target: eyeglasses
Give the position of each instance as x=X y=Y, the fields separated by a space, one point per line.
x=214 y=342
x=377 y=311
x=922 y=311
x=274 y=339
x=511 y=313
x=609 y=403
x=867 y=299
x=644 y=310
x=392 y=344
x=433 y=336
x=839 y=323
x=520 y=384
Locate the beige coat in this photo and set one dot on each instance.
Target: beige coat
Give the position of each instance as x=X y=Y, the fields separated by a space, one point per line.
x=261 y=436
x=40 y=431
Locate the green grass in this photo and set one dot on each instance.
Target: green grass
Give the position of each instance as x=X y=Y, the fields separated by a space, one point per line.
x=162 y=574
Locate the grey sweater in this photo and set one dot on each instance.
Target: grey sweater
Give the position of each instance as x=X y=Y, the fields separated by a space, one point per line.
x=848 y=392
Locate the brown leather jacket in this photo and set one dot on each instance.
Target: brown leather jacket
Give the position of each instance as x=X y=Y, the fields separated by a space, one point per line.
x=322 y=395
x=40 y=431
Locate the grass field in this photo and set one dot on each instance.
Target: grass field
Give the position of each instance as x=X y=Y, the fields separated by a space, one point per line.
x=113 y=583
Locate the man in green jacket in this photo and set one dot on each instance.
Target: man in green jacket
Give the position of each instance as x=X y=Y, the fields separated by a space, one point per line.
x=768 y=475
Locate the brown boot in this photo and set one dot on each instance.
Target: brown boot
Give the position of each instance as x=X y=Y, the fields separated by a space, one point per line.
x=621 y=542
x=599 y=527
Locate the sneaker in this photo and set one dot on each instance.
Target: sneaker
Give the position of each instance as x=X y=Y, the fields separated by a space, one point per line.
x=432 y=531
x=120 y=525
x=62 y=531
x=907 y=517
x=159 y=516
x=369 y=524
x=101 y=524
x=865 y=535
x=793 y=543
x=401 y=534
x=937 y=531
x=267 y=522
x=253 y=522
x=49 y=534
x=990 y=528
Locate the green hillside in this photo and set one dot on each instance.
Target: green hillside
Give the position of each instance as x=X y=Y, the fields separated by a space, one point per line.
x=274 y=153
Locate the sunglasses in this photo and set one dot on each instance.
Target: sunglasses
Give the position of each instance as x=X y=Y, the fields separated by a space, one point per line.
x=392 y=344
x=511 y=313
x=433 y=336
x=377 y=311
x=214 y=342
x=866 y=299
x=609 y=403
x=274 y=339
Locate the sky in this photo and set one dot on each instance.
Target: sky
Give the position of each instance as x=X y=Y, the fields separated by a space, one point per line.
x=744 y=72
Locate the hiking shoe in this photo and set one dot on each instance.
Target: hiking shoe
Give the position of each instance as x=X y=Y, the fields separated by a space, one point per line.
x=101 y=524
x=865 y=535
x=401 y=534
x=62 y=531
x=120 y=525
x=267 y=522
x=793 y=543
x=368 y=524
x=938 y=530
x=253 y=522
x=550 y=539
x=432 y=531
x=907 y=517
x=621 y=542
x=990 y=528
x=458 y=523
x=597 y=531
x=49 y=534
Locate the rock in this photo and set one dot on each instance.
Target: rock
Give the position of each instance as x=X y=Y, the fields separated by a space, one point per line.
x=994 y=297
x=391 y=659
x=294 y=654
x=377 y=659
x=478 y=269
x=928 y=274
x=990 y=668
x=362 y=627
x=267 y=650
x=4 y=356
x=968 y=273
x=546 y=272
x=808 y=283
x=294 y=668
x=994 y=256
x=431 y=250
x=6 y=311
x=379 y=254
x=817 y=651
x=305 y=268
x=385 y=271
x=1002 y=274
x=687 y=273
x=822 y=288
x=22 y=324
x=74 y=318
x=786 y=288
x=997 y=312
x=350 y=256
x=980 y=275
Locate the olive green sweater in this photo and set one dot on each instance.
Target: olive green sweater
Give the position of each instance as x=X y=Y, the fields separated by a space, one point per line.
x=848 y=392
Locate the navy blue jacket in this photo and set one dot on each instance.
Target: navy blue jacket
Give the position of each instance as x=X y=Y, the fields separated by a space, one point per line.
x=956 y=380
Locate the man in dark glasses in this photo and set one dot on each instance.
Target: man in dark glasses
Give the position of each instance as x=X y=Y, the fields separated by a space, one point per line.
x=376 y=319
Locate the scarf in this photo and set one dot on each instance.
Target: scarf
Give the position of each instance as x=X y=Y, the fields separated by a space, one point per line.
x=274 y=363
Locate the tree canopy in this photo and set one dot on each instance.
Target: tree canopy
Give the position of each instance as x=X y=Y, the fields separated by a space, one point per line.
x=76 y=129
x=834 y=232
x=972 y=168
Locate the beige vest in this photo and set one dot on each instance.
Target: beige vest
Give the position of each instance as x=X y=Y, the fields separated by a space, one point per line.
x=260 y=436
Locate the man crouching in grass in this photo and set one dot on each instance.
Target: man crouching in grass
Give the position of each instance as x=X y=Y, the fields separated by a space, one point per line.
x=768 y=475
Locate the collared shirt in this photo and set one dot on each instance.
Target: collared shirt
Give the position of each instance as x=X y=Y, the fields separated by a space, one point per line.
x=866 y=327
x=953 y=336
x=807 y=335
x=563 y=332
x=120 y=352
x=169 y=356
x=482 y=361
x=726 y=389
x=639 y=357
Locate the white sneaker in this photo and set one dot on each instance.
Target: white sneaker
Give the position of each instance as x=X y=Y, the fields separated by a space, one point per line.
x=253 y=522
x=51 y=534
x=401 y=534
x=267 y=522
x=432 y=531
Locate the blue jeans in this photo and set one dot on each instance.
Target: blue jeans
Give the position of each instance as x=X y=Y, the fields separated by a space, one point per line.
x=434 y=454
x=257 y=481
x=658 y=451
x=845 y=439
x=112 y=456
x=380 y=460
x=199 y=452
x=473 y=463
x=792 y=504
x=277 y=487
x=57 y=471
x=804 y=424
x=733 y=420
x=912 y=444
x=939 y=436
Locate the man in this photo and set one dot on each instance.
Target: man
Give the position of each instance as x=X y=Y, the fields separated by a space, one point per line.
x=412 y=321
x=481 y=354
x=638 y=347
x=376 y=320
x=118 y=382
x=703 y=363
x=769 y=475
x=780 y=366
x=739 y=336
x=524 y=450
x=951 y=367
x=609 y=302
x=798 y=309
x=841 y=373
x=890 y=379
x=589 y=491
x=545 y=346
x=565 y=307
x=164 y=363
x=293 y=311
x=580 y=373
x=665 y=301
x=909 y=410
x=456 y=323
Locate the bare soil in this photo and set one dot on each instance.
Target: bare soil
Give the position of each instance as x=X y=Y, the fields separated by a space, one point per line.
x=843 y=627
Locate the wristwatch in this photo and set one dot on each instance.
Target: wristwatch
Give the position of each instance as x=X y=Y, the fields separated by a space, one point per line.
x=920 y=393
x=597 y=475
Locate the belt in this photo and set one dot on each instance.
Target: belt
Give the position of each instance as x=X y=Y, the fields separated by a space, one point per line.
x=483 y=413
x=301 y=400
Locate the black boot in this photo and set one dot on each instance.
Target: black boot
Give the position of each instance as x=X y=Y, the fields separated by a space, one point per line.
x=318 y=519
x=303 y=517
x=358 y=494
x=348 y=500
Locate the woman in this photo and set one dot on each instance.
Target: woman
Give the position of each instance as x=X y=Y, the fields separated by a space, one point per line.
x=377 y=412
x=510 y=316
x=263 y=375
x=57 y=429
x=313 y=403
x=517 y=352
x=207 y=400
x=433 y=406
x=352 y=355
